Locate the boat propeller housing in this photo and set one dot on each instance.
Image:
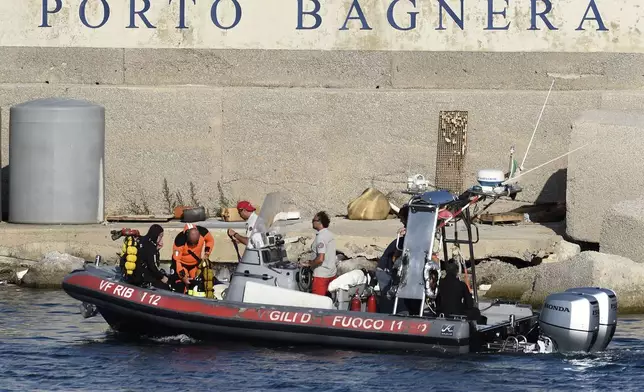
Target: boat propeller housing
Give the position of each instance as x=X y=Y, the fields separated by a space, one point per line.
x=581 y=319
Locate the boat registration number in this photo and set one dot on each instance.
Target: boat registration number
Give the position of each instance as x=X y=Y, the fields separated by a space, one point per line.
x=128 y=292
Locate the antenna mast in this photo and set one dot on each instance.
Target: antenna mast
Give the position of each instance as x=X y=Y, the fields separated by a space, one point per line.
x=537 y=125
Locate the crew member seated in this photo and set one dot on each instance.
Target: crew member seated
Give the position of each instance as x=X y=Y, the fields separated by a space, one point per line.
x=190 y=246
x=454 y=297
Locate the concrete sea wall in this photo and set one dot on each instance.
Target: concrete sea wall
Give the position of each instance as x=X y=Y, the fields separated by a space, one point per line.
x=319 y=113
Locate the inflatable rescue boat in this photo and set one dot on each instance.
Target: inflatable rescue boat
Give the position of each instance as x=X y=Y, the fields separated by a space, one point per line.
x=268 y=298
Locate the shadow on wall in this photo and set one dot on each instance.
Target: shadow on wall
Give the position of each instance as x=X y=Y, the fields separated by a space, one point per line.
x=550 y=207
x=4 y=181
x=554 y=190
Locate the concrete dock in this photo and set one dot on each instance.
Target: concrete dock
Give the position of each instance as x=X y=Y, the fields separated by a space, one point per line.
x=354 y=238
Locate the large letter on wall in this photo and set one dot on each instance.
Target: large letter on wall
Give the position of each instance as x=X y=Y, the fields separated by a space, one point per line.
x=46 y=11
x=491 y=13
x=442 y=5
x=314 y=14
x=542 y=15
x=182 y=13
x=392 y=20
x=597 y=18
x=356 y=5
x=141 y=14
x=82 y=11
x=215 y=19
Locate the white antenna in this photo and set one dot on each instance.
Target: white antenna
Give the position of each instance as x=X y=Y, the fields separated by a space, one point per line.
x=537 y=125
x=509 y=180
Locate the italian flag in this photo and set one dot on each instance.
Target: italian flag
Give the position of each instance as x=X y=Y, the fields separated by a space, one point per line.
x=513 y=168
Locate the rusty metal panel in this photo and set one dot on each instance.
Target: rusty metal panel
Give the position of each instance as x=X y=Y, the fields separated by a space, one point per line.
x=450 y=150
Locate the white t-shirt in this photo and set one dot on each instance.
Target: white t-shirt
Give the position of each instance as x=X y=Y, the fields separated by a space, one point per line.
x=256 y=239
x=325 y=243
x=250 y=223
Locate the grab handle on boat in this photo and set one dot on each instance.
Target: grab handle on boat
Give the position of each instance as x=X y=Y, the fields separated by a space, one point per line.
x=398 y=242
x=476 y=229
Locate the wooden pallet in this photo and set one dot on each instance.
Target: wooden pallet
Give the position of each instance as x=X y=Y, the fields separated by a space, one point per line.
x=542 y=213
x=502 y=217
x=140 y=218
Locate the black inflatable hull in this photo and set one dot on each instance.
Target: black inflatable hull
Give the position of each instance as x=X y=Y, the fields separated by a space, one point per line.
x=133 y=310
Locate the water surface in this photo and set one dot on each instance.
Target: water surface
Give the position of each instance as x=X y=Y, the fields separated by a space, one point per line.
x=45 y=344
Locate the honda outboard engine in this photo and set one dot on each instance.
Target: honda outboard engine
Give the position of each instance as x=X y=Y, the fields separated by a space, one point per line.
x=571 y=320
x=607 y=300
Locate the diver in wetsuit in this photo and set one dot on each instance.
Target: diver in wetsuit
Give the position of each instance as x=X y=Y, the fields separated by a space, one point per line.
x=147 y=266
x=454 y=297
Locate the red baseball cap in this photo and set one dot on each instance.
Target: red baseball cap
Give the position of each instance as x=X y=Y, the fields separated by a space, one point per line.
x=245 y=205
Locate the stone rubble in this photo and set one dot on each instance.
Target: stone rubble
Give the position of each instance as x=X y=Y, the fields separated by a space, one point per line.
x=51 y=270
x=586 y=269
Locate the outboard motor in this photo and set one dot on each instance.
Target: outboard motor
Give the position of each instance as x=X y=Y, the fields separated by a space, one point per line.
x=571 y=320
x=607 y=300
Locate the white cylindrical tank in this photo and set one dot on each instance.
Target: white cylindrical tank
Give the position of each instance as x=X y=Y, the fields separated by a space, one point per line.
x=56 y=158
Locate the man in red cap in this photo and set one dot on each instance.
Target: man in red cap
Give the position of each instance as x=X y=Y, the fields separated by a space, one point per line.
x=247 y=213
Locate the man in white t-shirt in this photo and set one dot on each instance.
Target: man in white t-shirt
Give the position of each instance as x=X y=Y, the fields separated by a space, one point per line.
x=247 y=213
x=324 y=263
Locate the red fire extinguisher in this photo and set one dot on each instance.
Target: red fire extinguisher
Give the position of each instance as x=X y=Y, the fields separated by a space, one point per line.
x=371 y=304
x=356 y=304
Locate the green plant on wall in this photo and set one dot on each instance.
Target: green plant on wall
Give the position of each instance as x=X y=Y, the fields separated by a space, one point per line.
x=223 y=202
x=168 y=197
x=175 y=199
x=138 y=208
x=193 y=194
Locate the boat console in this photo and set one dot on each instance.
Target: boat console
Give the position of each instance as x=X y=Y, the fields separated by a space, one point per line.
x=267 y=265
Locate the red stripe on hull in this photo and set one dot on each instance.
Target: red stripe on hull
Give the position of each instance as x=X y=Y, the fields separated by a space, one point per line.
x=253 y=312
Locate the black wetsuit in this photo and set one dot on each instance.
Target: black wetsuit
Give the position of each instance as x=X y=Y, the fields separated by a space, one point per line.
x=149 y=259
x=147 y=265
x=454 y=297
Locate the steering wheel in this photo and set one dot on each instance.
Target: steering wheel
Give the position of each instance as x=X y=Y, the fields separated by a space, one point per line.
x=304 y=279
